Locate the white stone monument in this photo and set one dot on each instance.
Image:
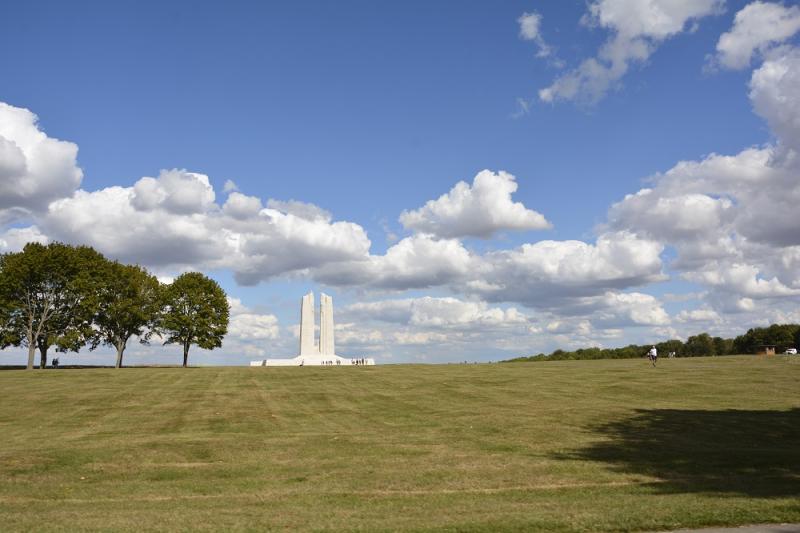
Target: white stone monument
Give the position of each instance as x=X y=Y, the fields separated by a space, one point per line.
x=312 y=353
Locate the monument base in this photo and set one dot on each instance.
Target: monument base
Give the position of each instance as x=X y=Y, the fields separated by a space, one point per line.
x=316 y=360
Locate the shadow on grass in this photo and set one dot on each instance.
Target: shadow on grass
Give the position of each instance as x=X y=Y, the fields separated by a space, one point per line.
x=752 y=453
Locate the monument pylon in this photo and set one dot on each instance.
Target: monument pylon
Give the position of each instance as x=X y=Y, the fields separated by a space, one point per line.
x=307 y=345
x=326 y=325
x=312 y=353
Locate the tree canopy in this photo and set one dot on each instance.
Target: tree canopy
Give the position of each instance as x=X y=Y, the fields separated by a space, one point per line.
x=71 y=296
x=780 y=335
x=128 y=304
x=196 y=311
x=47 y=297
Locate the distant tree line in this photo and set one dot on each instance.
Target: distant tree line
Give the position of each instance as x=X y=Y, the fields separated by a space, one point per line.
x=781 y=336
x=63 y=297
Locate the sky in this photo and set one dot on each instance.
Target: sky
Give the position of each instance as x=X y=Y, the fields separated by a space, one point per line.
x=468 y=180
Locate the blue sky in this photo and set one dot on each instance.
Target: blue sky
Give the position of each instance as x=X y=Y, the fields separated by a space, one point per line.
x=367 y=110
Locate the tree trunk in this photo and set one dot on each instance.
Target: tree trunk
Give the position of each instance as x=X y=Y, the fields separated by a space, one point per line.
x=43 y=359
x=120 y=350
x=31 y=355
x=185 y=355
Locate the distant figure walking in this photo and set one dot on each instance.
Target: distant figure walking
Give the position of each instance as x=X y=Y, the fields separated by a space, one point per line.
x=653 y=355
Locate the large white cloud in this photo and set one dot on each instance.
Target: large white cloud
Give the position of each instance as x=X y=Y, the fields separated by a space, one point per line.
x=34 y=169
x=247 y=325
x=730 y=218
x=14 y=239
x=479 y=210
x=443 y=312
x=440 y=328
x=174 y=191
x=638 y=27
x=548 y=273
x=274 y=243
x=109 y=220
x=775 y=96
x=674 y=217
x=757 y=27
x=416 y=262
x=172 y=222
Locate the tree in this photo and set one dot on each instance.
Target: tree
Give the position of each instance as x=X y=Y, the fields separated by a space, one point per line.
x=780 y=335
x=723 y=346
x=47 y=297
x=700 y=345
x=128 y=304
x=672 y=345
x=195 y=311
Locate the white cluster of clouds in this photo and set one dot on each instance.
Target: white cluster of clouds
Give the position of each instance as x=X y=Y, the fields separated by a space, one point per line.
x=758 y=28
x=173 y=222
x=248 y=325
x=438 y=312
x=637 y=28
x=478 y=210
x=34 y=169
x=730 y=218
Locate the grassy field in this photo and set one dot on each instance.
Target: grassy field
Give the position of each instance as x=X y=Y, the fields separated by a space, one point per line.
x=563 y=446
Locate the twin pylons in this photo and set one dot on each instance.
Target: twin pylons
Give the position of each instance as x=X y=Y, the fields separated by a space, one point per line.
x=307 y=344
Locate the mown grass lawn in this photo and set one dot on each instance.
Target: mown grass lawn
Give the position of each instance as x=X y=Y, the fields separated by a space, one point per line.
x=572 y=446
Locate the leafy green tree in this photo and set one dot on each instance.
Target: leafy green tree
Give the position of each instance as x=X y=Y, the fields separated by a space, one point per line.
x=723 y=346
x=47 y=297
x=699 y=345
x=128 y=304
x=673 y=345
x=780 y=335
x=196 y=311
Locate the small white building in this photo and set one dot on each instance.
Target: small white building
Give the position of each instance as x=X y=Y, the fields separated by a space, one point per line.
x=311 y=352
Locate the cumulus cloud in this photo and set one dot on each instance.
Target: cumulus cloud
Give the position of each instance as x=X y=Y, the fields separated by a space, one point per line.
x=638 y=27
x=241 y=206
x=699 y=315
x=729 y=218
x=300 y=209
x=757 y=28
x=742 y=279
x=174 y=191
x=441 y=328
x=479 y=210
x=775 y=96
x=173 y=222
x=109 y=220
x=416 y=262
x=631 y=308
x=14 y=239
x=547 y=273
x=443 y=312
x=275 y=243
x=247 y=325
x=34 y=169
x=530 y=30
